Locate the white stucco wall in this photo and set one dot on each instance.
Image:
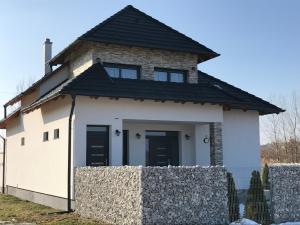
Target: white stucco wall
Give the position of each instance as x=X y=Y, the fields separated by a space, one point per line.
x=39 y=166
x=42 y=166
x=241 y=145
x=59 y=76
x=104 y=111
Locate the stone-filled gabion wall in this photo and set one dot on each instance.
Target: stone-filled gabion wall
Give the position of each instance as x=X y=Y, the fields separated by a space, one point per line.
x=285 y=192
x=184 y=195
x=110 y=194
x=152 y=195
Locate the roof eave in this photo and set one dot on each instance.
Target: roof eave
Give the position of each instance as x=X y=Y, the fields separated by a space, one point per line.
x=4 y=121
x=59 y=58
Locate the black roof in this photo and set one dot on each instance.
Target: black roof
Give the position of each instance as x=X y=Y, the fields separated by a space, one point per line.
x=132 y=27
x=247 y=100
x=96 y=82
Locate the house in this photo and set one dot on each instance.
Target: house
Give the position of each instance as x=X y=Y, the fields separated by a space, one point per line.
x=127 y=92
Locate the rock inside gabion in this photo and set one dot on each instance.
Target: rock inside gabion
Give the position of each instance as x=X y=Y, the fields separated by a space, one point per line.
x=285 y=192
x=152 y=195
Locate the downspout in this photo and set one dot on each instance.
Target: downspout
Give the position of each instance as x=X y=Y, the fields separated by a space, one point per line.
x=3 y=164
x=70 y=152
x=5 y=112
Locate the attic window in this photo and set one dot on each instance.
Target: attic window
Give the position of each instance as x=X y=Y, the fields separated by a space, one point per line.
x=170 y=75
x=122 y=71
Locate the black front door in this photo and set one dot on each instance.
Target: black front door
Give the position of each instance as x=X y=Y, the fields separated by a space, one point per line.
x=162 y=148
x=125 y=147
x=97 y=149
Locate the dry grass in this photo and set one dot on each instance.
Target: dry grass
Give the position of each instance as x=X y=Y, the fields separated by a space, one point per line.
x=14 y=209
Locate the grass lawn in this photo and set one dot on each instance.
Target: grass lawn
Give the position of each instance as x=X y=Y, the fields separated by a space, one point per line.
x=12 y=208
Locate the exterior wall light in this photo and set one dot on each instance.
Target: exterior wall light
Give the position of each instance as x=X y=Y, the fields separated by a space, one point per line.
x=117 y=132
x=138 y=135
x=206 y=140
x=187 y=137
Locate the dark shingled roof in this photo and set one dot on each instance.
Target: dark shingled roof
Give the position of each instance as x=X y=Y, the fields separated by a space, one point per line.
x=250 y=101
x=96 y=82
x=135 y=28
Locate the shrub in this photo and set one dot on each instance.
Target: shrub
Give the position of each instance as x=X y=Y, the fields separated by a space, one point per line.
x=256 y=207
x=265 y=177
x=233 y=201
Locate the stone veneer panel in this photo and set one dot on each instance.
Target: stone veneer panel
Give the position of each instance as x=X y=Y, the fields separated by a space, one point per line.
x=144 y=57
x=152 y=195
x=285 y=192
x=216 y=144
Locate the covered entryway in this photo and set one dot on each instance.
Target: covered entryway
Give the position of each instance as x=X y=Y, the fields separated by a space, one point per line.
x=162 y=148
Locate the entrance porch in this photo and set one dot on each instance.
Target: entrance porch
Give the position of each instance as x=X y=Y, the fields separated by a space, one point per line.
x=154 y=143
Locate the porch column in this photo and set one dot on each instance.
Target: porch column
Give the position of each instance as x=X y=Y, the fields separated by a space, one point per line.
x=202 y=147
x=216 y=145
x=116 y=143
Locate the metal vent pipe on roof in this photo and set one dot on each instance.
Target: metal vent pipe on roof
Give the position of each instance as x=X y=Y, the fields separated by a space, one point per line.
x=47 y=55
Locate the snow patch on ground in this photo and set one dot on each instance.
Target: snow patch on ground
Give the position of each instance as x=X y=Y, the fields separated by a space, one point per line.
x=251 y=222
x=244 y=222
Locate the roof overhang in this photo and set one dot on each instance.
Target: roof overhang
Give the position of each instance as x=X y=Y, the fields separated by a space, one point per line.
x=10 y=117
x=32 y=87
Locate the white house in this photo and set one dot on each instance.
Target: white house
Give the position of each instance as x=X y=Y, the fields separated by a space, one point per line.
x=127 y=92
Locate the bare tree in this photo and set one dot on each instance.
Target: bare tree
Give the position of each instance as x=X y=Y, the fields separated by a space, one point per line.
x=20 y=87
x=283 y=131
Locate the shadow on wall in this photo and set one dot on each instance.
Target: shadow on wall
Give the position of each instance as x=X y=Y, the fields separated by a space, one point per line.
x=56 y=109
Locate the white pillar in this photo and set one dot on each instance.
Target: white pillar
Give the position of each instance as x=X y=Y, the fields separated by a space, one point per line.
x=202 y=145
x=116 y=143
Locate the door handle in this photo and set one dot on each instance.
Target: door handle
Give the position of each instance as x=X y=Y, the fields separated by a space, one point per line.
x=169 y=162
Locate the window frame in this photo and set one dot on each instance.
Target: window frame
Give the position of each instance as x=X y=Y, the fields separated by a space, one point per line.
x=124 y=66
x=169 y=71
x=44 y=136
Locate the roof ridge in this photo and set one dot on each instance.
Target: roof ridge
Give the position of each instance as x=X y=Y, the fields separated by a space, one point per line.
x=130 y=7
x=232 y=86
x=172 y=29
x=105 y=21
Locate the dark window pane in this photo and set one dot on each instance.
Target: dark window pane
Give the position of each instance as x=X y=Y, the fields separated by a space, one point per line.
x=112 y=71
x=56 y=133
x=45 y=136
x=160 y=76
x=97 y=128
x=129 y=73
x=176 y=77
x=22 y=141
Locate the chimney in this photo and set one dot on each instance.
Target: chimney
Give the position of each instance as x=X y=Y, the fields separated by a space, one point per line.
x=47 y=55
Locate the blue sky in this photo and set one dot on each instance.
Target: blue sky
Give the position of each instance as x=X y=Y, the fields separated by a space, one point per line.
x=259 y=41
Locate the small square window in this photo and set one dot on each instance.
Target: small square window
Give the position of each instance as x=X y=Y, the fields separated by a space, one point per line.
x=22 y=141
x=46 y=136
x=56 y=134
